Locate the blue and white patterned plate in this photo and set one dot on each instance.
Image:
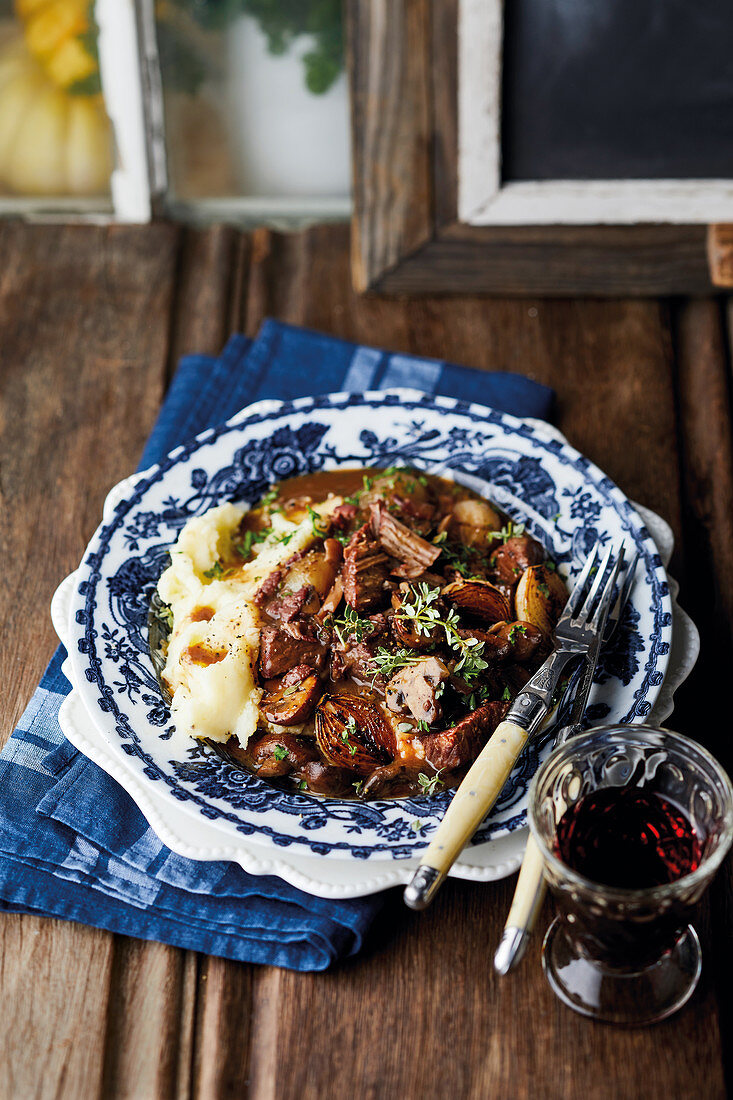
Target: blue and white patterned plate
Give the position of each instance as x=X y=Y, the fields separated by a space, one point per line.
x=530 y=472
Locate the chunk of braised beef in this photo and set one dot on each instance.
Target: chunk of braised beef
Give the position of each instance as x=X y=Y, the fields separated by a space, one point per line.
x=287 y=605
x=356 y=661
x=380 y=625
x=365 y=572
x=460 y=745
x=510 y=560
x=277 y=754
x=400 y=542
x=415 y=690
x=418 y=515
x=272 y=581
x=294 y=676
x=294 y=704
x=337 y=666
x=343 y=515
x=281 y=651
x=268 y=587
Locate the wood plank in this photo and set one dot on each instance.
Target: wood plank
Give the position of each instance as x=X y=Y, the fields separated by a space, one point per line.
x=388 y=47
x=150 y=1015
x=703 y=358
x=207 y=288
x=85 y=318
x=422 y=1013
x=554 y=261
x=444 y=108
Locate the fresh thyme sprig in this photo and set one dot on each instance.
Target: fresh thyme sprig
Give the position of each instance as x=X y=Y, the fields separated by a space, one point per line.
x=421 y=612
x=430 y=784
x=350 y=626
x=387 y=662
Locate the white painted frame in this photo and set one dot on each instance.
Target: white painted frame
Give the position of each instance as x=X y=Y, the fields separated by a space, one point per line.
x=122 y=87
x=484 y=200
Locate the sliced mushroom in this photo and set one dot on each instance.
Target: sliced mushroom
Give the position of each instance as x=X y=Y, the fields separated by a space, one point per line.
x=473 y=521
x=413 y=690
x=332 y=600
x=540 y=597
x=353 y=733
x=293 y=705
x=478 y=599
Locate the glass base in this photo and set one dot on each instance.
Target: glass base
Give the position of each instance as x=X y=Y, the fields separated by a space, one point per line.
x=642 y=997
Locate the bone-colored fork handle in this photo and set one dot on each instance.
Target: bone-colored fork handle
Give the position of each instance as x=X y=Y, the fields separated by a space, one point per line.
x=529 y=894
x=472 y=801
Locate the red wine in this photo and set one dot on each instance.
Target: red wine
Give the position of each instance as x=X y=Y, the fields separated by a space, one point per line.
x=630 y=837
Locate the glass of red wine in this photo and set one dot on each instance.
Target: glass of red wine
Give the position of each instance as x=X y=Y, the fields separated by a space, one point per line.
x=632 y=823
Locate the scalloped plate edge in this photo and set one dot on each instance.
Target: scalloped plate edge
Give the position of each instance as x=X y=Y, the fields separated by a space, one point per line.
x=491 y=861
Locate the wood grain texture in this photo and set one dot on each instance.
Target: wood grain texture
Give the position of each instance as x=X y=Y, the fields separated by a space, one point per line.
x=702 y=332
x=406 y=236
x=720 y=255
x=555 y=261
x=85 y=317
x=642 y=389
x=389 y=51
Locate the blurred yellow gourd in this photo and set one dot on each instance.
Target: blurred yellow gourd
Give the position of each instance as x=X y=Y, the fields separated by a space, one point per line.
x=61 y=35
x=51 y=142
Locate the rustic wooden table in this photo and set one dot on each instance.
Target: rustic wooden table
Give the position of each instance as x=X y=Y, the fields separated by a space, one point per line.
x=93 y=321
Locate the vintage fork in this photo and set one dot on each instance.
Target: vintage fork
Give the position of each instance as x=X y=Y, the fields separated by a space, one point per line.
x=575 y=633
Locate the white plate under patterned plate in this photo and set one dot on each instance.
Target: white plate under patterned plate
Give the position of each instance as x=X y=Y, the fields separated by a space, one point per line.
x=204 y=808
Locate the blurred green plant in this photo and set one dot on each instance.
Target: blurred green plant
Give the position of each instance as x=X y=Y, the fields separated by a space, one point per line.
x=282 y=22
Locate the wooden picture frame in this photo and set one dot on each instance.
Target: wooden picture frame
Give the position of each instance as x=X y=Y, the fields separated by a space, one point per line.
x=407 y=235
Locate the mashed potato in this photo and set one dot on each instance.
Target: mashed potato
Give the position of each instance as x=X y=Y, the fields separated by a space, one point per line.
x=214 y=644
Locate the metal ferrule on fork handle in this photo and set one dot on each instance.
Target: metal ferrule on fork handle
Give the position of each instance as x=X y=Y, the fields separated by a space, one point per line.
x=535 y=698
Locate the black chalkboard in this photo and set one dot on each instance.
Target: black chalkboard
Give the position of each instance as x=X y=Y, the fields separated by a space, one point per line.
x=617 y=89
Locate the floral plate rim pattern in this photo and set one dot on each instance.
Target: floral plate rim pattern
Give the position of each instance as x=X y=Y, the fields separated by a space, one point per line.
x=237 y=461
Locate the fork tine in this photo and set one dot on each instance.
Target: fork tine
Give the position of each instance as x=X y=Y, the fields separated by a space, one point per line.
x=604 y=601
x=575 y=596
x=614 y=615
x=600 y=577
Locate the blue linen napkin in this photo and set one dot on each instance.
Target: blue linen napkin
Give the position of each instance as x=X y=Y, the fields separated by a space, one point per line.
x=72 y=843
